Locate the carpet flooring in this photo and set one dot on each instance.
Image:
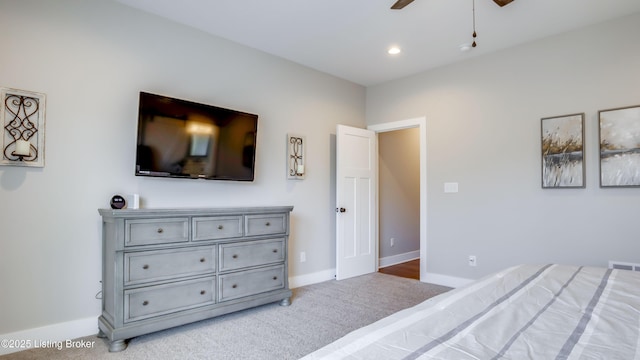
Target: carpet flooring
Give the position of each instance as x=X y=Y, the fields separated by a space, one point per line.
x=318 y=315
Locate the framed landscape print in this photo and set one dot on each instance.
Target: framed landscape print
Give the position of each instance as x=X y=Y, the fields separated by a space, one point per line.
x=620 y=147
x=563 y=152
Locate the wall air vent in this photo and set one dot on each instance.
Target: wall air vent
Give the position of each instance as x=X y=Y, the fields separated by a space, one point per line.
x=623 y=265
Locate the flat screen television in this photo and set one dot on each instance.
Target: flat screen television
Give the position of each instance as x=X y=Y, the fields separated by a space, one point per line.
x=183 y=139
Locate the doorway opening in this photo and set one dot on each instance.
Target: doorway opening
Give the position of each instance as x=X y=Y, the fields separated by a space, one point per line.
x=420 y=125
x=399 y=202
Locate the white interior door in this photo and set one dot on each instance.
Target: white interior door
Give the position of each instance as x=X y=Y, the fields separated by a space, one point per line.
x=356 y=190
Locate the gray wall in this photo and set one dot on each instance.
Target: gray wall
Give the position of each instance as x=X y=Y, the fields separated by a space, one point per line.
x=483 y=131
x=91 y=58
x=399 y=195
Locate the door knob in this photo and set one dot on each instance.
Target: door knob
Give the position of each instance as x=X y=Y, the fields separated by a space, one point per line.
x=341 y=210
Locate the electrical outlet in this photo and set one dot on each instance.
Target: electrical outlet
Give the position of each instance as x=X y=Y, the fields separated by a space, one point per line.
x=472 y=260
x=392 y=241
x=303 y=256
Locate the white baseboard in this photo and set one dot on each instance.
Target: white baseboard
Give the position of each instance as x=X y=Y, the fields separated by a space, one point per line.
x=54 y=335
x=398 y=259
x=445 y=280
x=314 y=278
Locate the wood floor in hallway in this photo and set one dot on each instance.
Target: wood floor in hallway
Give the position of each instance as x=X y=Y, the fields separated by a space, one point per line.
x=409 y=269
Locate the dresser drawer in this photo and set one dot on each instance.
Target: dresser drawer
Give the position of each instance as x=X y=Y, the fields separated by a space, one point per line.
x=141 y=267
x=212 y=228
x=163 y=299
x=156 y=231
x=245 y=283
x=240 y=255
x=265 y=224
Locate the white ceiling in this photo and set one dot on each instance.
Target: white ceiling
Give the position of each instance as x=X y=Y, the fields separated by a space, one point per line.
x=349 y=38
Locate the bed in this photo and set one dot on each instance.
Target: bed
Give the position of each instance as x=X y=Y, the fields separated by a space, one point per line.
x=524 y=312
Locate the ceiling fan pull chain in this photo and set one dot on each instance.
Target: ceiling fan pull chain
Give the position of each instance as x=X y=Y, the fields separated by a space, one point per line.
x=473 y=3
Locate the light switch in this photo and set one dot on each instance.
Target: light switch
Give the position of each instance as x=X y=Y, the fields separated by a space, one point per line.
x=451 y=187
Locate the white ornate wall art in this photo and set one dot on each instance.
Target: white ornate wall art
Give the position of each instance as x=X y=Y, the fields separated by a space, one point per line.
x=296 y=157
x=22 y=115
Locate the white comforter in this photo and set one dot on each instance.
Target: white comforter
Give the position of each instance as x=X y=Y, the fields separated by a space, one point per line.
x=525 y=312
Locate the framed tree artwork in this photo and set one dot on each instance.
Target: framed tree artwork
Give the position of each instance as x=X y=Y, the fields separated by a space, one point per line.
x=563 y=152
x=620 y=147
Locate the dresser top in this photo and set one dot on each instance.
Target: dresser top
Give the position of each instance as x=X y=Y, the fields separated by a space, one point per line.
x=126 y=213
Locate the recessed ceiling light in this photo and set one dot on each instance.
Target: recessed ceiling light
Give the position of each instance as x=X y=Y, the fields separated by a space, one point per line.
x=394 y=50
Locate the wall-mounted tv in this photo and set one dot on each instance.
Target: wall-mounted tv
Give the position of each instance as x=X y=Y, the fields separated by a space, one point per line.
x=183 y=139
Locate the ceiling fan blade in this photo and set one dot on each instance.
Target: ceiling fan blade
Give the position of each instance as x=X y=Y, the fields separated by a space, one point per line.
x=400 y=4
x=502 y=2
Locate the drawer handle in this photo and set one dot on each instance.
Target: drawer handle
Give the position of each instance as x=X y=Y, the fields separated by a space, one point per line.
x=145 y=266
x=203 y=260
x=220 y=227
x=275 y=250
x=202 y=292
x=234 y=286
x=275 y=278
x=160 y=230
x=235 y=256
x=268 y=224
x=145 y=303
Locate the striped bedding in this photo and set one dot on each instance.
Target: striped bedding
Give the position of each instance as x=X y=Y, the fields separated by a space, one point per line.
x=525 y=312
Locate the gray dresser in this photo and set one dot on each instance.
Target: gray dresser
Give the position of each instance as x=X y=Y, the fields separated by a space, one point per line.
x=167 y=267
